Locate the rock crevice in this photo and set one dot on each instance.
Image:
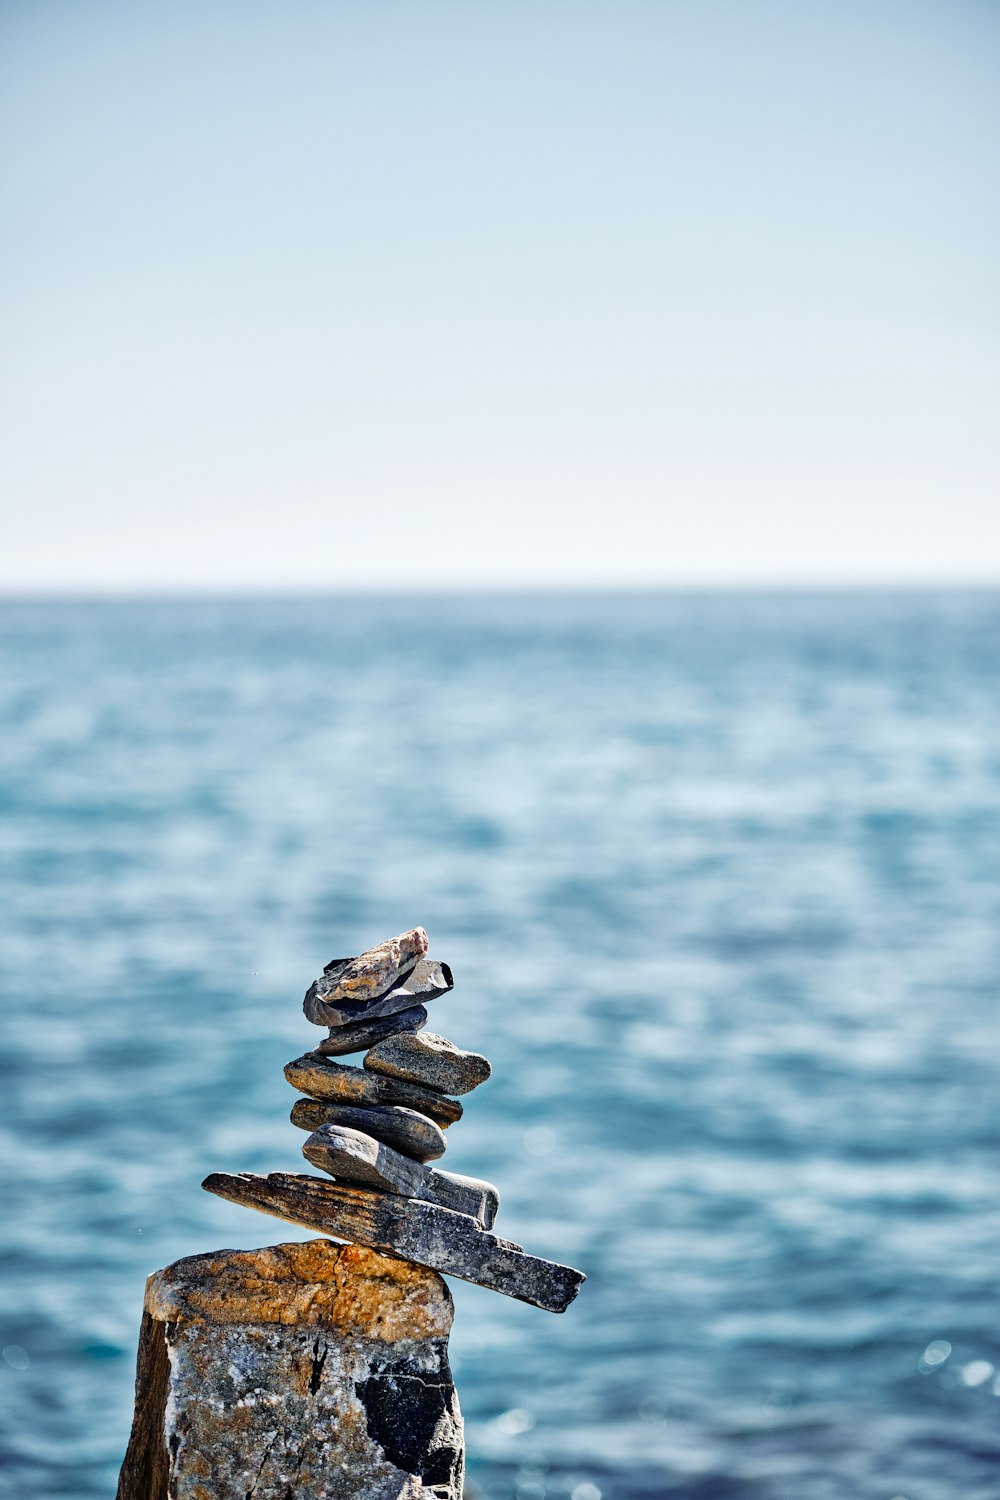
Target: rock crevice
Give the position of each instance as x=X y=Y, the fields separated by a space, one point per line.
x=316 y=1370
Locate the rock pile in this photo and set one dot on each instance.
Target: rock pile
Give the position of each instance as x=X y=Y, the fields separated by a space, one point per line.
x=374 y=1130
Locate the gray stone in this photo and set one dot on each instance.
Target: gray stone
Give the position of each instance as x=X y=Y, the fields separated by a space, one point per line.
x=425 y=1057
x=360 y=1035
x=352 y=1156
x=408 y=1227
x=322 y=1078
x=466 y=1195
x=404 y=1130
x=315 y=1370
x=426 y=981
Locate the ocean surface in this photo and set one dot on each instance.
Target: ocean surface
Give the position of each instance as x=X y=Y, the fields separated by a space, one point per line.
x=719 y=878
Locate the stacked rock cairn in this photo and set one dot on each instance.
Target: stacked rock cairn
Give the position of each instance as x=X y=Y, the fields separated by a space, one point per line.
x=375 y=1129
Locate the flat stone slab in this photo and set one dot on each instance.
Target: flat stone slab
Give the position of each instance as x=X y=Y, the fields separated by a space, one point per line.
x=315 y=1370
x=321 y=1078
x=351 y=1156
x=426 y=981
x=358 y=1036
x=405 y=1130
x=408 y=1227
x=428 y=1059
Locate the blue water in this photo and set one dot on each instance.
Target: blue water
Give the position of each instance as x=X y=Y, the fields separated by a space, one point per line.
x=719 y=878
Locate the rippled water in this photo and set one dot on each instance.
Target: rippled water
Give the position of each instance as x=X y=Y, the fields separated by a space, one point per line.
x=719 y=879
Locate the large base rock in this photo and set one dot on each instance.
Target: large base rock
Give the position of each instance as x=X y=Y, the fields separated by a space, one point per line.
x=309 y=1371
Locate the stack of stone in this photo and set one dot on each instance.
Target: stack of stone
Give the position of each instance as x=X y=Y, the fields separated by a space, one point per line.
x=375 y=1128
x=378 y=1126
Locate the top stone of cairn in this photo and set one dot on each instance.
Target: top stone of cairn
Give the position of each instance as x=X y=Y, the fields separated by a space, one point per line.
x=391 y=977
x=374 y=971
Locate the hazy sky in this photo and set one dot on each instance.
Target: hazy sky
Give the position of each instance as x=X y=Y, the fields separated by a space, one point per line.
x=444 y=294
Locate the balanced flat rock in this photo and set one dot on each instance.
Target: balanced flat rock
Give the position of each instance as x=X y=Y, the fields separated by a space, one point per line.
x=425 y=1057
x=425 y=981
x=315 y=1370
x=407 y=1227
x=404 y=1130
x=351 y=1156
x=358 y=1036
x=321 y=1078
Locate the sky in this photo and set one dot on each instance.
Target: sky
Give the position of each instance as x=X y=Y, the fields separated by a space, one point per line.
x=364 y=294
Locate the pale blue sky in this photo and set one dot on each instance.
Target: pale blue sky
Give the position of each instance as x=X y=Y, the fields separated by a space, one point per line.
x=455 y=294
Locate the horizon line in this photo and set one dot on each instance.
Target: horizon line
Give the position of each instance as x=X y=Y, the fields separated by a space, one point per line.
x=221 y=592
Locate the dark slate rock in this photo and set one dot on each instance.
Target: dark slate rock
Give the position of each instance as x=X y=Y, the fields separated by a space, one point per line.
x=360 y=1035
x=404 y=1130
x=406 y=1227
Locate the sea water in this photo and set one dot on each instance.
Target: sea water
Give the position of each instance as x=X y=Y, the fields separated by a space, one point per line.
x=719 y=878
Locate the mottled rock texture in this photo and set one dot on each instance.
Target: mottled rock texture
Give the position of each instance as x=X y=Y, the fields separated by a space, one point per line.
x=358 y=1036
x=322 y=1078
x=299 y=1372
x=374 y=971
x=425 y=981
x=428 y=1059
x=391 y=977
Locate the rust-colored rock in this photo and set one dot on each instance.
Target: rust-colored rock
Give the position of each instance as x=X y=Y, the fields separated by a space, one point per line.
x=316 y=1370
x=322 y=1078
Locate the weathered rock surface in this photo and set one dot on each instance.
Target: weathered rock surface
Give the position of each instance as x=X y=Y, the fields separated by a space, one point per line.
x=426 y=981
x=429 y=1059
x=315 y=1370
x=360 y=1035
x=352 y=1156
x=404 y=1130
x=407 y=1227
x=374 y=971
x=321 y=1078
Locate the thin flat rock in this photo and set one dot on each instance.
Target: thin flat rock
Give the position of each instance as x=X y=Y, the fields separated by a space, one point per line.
x=429 y=1059
x=322 y=1078
x=425 y=981
x=351 y=1156
x=406 y=1227
x=360 y=1035
x=405 y=1130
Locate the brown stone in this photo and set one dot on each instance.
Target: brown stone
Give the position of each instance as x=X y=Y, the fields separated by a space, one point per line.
x=322 y=1078
x=314 y=1370
x=374 y=971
